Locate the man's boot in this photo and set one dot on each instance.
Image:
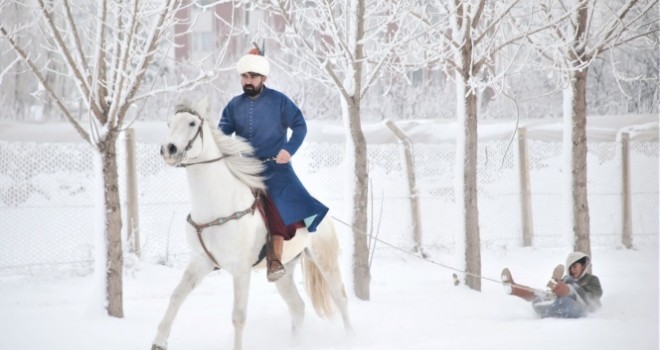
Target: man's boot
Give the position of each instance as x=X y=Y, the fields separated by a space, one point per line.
x=274 y=258
x=557 y=274
x=515 y=289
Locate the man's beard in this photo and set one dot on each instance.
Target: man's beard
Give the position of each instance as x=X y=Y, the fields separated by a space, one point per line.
x=251 y=90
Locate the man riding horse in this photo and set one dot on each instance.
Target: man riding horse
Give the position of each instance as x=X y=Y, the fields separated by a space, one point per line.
x=263 y=116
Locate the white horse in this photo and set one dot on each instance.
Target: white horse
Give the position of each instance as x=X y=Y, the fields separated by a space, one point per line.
x=226 y=232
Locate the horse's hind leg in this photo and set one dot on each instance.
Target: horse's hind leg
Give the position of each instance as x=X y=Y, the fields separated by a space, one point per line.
x=197 y=269
x=286 y=286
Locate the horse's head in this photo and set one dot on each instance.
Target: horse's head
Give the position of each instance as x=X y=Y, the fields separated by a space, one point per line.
x=186 y=134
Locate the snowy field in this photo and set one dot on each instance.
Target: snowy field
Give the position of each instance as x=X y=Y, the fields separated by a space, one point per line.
x=414 y=305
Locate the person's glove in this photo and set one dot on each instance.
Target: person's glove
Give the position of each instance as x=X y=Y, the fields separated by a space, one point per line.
x=561 y=289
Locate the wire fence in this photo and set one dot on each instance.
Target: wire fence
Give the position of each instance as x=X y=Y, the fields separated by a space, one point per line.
x=47 y=198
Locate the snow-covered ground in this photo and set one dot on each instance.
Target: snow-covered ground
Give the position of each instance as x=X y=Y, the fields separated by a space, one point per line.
x=413 y=305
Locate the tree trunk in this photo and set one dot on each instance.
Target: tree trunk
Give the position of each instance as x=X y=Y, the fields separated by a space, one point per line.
x=580 y=202
x=113 y=223
x=468 y=107
x=361 y=269
x=469 y=192
x=473 y=240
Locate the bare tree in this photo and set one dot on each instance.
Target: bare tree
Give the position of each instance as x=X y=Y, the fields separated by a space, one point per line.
x=478 y=47
x=346 y=45
x=591 y=29
x=106 y=49
x=16 y=92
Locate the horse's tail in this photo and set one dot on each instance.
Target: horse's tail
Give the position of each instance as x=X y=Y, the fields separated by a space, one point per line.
x=317 y=289
x=324 y=251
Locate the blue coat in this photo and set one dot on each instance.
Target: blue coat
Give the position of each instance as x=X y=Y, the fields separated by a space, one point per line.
x=264 y=122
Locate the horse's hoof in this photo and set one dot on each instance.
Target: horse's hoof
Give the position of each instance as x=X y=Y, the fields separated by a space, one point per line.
x=157 y=347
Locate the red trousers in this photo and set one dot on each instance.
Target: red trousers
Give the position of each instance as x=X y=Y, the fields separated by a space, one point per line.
x=274 y=221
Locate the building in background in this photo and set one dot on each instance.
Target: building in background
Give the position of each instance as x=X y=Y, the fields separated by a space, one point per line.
x=206 y=29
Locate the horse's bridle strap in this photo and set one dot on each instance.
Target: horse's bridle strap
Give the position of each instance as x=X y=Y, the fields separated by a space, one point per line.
x=198 y=133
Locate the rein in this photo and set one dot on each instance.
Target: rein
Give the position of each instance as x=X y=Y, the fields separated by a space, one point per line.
x=220 y=221
x=183 y=165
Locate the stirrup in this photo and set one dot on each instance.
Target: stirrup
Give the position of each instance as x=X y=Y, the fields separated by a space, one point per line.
x=275 y=270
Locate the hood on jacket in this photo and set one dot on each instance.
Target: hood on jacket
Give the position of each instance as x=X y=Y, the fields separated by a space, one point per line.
x=575 y=256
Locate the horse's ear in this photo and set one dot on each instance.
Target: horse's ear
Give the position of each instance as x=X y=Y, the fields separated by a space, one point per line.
x=202 y=106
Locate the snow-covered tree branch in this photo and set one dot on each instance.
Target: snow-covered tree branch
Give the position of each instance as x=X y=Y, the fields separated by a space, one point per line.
x=593 y=28
x=477 y=46
x=107 y=49
x=347 y=46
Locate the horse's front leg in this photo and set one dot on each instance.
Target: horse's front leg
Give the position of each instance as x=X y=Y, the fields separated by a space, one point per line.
x=241 y=292
x=197 y=269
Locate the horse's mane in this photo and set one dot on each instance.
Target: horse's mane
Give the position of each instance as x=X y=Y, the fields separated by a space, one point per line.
x=239 y=161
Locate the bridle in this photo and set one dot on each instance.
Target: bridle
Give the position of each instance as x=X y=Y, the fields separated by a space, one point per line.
x=199 y=134
x=221 y=220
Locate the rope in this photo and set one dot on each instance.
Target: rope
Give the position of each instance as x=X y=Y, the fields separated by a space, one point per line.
x=536 y=291
x=416 y=255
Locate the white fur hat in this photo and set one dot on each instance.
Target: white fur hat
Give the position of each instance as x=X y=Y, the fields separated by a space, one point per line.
x=253 y=62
